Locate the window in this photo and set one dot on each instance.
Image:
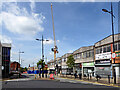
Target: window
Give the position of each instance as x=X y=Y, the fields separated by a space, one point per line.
x=118 y=46
x=104 y=49
x=88 y=54
x=115 y=47
x=109 y=48
x=64 y=59
x=84 y=54
x=97 y=50
x=100 y=49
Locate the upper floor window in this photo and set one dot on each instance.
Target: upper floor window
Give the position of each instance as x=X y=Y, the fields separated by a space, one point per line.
x=108 y=48
x=118 y=46
x=115 y=45
x=104 y=49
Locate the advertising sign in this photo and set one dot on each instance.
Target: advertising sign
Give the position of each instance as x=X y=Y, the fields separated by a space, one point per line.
x=107 y=61
x=88 y=64
x=101 y=56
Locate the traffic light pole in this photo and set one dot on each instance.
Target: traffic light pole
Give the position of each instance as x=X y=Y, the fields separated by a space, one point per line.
x=42 y=57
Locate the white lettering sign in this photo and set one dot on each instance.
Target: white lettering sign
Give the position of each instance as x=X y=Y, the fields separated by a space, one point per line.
x=103 y=56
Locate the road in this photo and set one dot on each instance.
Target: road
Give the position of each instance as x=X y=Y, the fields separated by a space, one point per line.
x=49 y=84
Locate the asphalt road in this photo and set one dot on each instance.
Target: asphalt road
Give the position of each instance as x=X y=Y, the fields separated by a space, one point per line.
x=50 y=84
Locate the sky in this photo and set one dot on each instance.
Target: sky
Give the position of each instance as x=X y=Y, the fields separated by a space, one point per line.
x=76 y=24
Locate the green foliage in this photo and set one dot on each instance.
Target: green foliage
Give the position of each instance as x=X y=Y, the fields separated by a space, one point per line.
x=25 y=69
x=21 y=69
x=70 y=62
x=40 y=63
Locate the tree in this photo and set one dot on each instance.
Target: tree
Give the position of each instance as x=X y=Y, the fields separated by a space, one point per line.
x=40 y=63
x=25 y=69
x=70 y=62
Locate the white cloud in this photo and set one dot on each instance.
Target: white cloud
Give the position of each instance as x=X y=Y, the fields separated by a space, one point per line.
x=19 y=21
x=5 y=39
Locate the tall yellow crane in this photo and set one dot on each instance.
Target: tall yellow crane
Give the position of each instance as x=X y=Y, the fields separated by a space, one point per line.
x=55 y=49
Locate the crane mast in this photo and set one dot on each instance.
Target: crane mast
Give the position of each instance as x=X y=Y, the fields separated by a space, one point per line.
x=55 y=47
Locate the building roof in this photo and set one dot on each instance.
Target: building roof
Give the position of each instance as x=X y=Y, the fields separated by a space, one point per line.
x=82 y=49
x=6 y=45
x=108 y=37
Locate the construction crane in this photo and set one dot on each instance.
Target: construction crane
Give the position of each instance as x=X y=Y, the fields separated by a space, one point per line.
x=55 y=49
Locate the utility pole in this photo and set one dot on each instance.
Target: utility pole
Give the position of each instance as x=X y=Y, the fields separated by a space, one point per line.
x=55 y=49
x=42 y=54
x=111 y=12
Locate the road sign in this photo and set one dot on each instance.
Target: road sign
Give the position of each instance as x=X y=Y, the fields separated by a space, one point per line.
x=113 y=55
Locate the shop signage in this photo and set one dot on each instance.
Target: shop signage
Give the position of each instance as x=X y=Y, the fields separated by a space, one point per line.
x=117 y=58
x=106 y=55
x=103 y=61
x=88 y=64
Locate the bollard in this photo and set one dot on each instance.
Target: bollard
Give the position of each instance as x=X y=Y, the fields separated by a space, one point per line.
x=108 y=78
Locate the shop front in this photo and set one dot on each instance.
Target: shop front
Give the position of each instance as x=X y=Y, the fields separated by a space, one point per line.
x=116 y=65
x=78 y=68
x=88 y=68
x=103 y=67
x=64 y=70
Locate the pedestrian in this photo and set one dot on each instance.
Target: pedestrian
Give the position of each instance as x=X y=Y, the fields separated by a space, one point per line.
x=80 y=75
x=75 y=74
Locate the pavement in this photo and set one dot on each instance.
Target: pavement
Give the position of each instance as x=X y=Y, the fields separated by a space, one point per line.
x=103 y=81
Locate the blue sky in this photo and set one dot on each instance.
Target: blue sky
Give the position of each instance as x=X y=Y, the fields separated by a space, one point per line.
x=76 y=25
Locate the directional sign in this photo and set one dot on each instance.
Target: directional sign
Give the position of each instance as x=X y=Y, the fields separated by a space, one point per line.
x=113 y=55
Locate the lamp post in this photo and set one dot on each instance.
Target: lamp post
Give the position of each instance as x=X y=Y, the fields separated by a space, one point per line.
x=111 y=12
x=19 y=59
x=42 y=53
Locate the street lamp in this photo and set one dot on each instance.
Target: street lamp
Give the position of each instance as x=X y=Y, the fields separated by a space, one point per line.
x=19 y=55
x=21 y=62
x=42 y=53
x=19 y=59
x=111 y=12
